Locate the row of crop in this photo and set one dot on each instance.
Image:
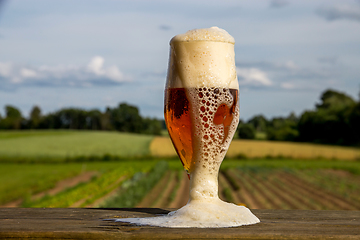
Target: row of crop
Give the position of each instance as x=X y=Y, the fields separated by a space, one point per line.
x=178 y=178
x=281 y=189
x=255 y=187
x=339 y=182
x=226 y=191
x=165 y=192
x=86 y=193
x=164 y=197
x=328 y=200
x=135 y=189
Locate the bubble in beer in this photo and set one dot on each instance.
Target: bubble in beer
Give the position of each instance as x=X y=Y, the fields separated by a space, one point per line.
x=211 y=127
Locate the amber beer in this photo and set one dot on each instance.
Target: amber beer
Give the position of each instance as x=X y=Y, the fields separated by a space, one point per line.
x=201 y=123
x=202 y=113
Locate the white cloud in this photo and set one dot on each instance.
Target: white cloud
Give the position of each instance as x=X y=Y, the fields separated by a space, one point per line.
x=335 y=12
x=28 y=73
x=253 y=77
x=287 y=85
x=96 y=66
x=288 y=70
x=287 y=75
x=304 y=86
x=95 y=73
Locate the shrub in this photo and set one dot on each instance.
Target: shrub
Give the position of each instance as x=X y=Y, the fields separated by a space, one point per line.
x=246 y=131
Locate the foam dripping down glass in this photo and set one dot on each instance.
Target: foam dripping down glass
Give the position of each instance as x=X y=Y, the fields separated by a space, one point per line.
x=202 y=113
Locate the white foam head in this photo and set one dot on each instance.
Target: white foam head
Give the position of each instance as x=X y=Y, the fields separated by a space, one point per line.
x=202 y=58
x=214 y=34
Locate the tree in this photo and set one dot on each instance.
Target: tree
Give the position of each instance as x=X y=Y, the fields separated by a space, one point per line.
x=12 y=118
x=1 y=122
x=35 y=116
x=331 y=99
x=329 y=123
x=93 y=119
x=259 y=122
x=72 y=118
x=246 y=131
x=126 y=118
x=105 y=120
x=354 y=123
x=283 y=129
x=152 y=126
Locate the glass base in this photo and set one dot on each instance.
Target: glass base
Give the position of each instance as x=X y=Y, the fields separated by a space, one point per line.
x=201 y=214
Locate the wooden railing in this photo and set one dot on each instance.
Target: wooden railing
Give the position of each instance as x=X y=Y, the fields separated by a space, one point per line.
x=79 y=223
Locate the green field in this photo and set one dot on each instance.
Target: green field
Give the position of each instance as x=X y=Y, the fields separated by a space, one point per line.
x=39 y=169
x=60 y=145
x=25 y=180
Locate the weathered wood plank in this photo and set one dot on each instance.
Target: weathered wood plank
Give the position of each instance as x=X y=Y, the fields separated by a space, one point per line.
x=89 y=224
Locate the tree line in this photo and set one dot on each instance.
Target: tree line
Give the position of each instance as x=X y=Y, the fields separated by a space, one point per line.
x=123 y=118
x=335 y=120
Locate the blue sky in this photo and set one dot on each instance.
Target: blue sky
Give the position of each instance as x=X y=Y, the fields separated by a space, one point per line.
x=93 y=54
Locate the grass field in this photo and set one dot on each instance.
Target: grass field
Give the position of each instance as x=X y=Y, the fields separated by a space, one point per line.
x=320 y=180
x=49 y=145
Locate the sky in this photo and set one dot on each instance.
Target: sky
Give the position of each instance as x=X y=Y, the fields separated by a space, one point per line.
x=97 y=53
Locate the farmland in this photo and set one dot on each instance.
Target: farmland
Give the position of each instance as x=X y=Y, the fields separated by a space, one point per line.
x=138 y=175
x=162 y=147
x=60 y=145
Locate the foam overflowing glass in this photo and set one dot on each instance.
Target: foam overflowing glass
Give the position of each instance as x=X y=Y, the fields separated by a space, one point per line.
x=202 y=113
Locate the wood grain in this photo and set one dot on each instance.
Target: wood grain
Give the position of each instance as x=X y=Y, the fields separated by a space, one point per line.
x=90 y=223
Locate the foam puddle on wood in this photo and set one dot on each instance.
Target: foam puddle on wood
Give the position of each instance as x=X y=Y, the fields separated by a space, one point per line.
x=200 y=214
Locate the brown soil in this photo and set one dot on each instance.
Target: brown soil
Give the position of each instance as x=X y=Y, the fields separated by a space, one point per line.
x=182 y=195
x=312 y=201
x=12 y=204
x=337 y=172
x=245 y=192
x=291 y=196
x=278 y=199
x=78 y=203
x=286 y=191
x=237 y=197
x=164 y=200
x=60 y=186
x=67 y=183
x=329 y=200
x=224 y=184
x=154 y=193
x=269 y=201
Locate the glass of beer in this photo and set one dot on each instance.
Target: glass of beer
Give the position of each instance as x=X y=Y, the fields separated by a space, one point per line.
x=202 y=113
x=201 y=103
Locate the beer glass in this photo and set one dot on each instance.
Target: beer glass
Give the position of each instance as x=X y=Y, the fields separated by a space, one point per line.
x=201 y=108
x=201 y=111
